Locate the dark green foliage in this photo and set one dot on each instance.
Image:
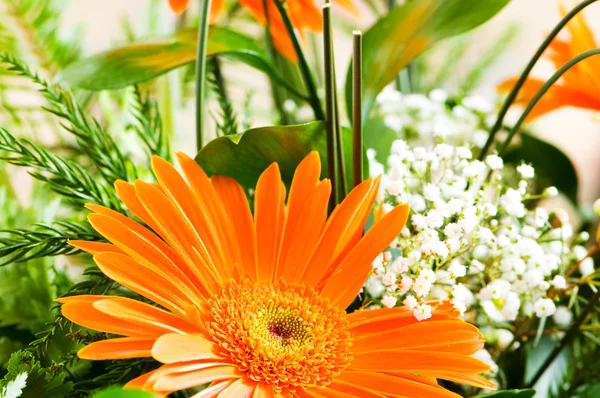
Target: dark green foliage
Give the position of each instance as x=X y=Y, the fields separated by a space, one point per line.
x=40 y=382
x=228 y=124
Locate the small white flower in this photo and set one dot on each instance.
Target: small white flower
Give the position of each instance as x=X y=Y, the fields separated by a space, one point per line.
x=511 y=201
x=453 y=231
x=485 y=235
x=395 y=187
x=464 y=152
x=457 y=269
x=422 y=312
x=562 y=316
x=480 y=138
x=434 y=219
x=544 y=307
x=587 y=267
x=438 y=95
x=484 y=356
x=526 y=171
x=428 y=275
x=388 y=279
x=445 y=151
x=289 y=106
x=551 y=191
x=559 y=282
x=389 y=301
x=410 y=302
x=422 y=286
x=494 y=162
x=401 y=265
x=406 y=283
x=431 y=193
x=417 y=203
x=419 y=221
x=474 y=169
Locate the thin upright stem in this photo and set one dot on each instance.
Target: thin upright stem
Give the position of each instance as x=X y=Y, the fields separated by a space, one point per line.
x=357 y=134
x=302 y=63
x=543 y=91
x=566 y=340
x=329 y=105
x=201 y=71
x=515 y=91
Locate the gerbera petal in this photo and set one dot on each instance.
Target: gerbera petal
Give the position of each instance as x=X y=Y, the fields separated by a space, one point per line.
x=236 y=206
x=121 y=348
x=306 y=178
x=83 y=313
x=197 y=212
x=307 y=233
x=179 y=6
x=153 y=254
x=440 y=336
x=172 y=348
x=180 y=234
x=268 y=221
x=241 y=388
x=391 y=386
x=128 y=196
x=143 y=280
x=352 y=272
x=144 y=315
x=213 y=390
x=95 y=247
x=416 y=361
x=141 y=383
x=184 y=380
x=343 y=228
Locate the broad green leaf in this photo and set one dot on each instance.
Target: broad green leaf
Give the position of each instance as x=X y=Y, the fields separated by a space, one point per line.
x=246 y=155
x=555 y=375
x=118 y=392
x=509 y=394
x=552 y=166
x=379 y=137
x=404 y=33
x=139 y=62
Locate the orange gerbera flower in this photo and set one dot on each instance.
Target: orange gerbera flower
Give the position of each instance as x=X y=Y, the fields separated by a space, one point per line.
x=255 y=305
x=304 y=14
x=579 y=87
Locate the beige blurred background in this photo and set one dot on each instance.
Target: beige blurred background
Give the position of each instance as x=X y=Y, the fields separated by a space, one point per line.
x=576 y=132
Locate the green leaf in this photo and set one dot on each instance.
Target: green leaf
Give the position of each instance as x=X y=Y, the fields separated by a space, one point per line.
x=555 y=374
x=400 y=36
x=552 y=166
x=118 y=392
x=246 y=155
x=378 y=136
x=508 y=394
x=139 y=62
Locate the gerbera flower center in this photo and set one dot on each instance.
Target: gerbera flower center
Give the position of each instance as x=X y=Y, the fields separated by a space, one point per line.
x=282 y=334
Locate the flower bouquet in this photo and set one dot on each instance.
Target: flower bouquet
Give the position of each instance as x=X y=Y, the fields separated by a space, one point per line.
x=309 y=233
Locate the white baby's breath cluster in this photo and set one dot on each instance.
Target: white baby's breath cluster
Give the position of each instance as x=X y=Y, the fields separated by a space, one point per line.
x=471 y=236
x=436 y=118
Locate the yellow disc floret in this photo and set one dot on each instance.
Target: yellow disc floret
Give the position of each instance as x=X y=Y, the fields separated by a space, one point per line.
x=281 y=334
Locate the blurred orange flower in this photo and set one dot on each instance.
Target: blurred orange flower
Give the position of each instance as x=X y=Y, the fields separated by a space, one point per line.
x=304 y=14
x=579 y=87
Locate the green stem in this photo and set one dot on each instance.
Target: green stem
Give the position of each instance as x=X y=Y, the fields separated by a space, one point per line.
x=303 y=64
x=357 y=134
x=330 y=105
x=201 y=71
x=515 y=91
x=543 y=91
x=566 y=340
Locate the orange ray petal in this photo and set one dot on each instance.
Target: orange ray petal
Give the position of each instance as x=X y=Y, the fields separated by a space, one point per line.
x=144 y=315
x=236 y=206
x=352 y=272
x=391 y=386
x=184 y=380
x=83 y=313
x=213 y=390
x=414 y=361
x=343 y=229
x=140 y=383
x=441 y=336
x=203 y=215
x=154 y=255
x=367 y=322
x=180 y=235
x=121 y=348
x=172 y=348
x=179 y=6
x=268 y=221
x=95 y=247
x=145 y=281
x=128 y=196
x=306 y=235
x=241 y=388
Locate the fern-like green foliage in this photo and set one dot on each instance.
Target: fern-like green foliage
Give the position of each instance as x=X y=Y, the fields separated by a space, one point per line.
x=26 y=375
x=228 y=124
x=92 y=139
